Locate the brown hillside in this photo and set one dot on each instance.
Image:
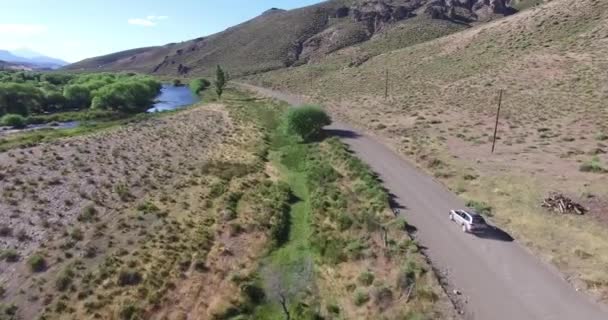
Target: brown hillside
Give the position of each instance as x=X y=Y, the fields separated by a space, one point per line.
x=278 y=38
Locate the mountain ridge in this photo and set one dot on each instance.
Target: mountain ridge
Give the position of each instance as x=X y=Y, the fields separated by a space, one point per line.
x=37 y=61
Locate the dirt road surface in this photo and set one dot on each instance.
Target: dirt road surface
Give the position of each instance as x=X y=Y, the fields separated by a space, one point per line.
x=495 y=277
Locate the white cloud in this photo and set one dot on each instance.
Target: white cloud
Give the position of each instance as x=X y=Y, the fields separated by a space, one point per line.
x=149 y=21
x=22 y=30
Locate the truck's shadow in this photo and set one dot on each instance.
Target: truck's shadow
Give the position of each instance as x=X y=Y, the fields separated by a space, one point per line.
x=494 y=233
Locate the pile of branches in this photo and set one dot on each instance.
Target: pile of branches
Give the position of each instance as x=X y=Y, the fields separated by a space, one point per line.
x=562 y=204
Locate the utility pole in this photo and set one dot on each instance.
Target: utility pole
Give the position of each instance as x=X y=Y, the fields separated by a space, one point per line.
x=386 y=84
x=497 y=116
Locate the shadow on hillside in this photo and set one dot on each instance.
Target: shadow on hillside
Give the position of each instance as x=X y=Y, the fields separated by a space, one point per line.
x=494 y=233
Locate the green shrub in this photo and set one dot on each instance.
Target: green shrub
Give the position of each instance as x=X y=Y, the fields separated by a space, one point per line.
x=148 y=208
x=77 y=234
x=88 y=214
x=13 y=120
x=199 y=85
x=408 y=274
x=480 y=207
x=307 y=122
x=9 y=255
x=361 y=297
x=64 y=280
x=37 y=263
x=602 y=137
x=366 y=278
x=333 y=309
x=129 y=311
x=254 y=293
x=344 y=221
x=593 y=166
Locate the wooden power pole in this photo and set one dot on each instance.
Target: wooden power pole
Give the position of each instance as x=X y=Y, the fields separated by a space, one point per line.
x=386 y=84
x=497 y=117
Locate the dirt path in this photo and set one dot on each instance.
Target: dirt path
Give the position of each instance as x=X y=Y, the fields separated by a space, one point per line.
x=496 y=278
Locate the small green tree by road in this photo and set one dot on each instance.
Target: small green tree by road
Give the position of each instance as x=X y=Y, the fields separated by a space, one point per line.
x=220 y=81
x=307 y=121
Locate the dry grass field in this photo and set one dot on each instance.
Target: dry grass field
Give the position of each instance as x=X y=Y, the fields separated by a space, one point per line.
x=551 y=60
x=177 y=216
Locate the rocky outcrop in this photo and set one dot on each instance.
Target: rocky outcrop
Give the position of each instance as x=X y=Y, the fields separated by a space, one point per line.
x=362 y=20
x=468 y=10
x=378 y=14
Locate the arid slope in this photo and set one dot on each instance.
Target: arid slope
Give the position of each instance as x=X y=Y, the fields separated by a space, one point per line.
x=278 y=38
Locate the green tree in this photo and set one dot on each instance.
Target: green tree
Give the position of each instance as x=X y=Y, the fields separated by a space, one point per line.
x=13 y=120
x=220 y=81
x=307 y=121
x=53 y=101
x=130 y=96
x=19 y=98
x=77 y=96
x=56 y=78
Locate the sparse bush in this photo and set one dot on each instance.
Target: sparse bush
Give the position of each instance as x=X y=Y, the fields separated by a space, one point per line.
x=408 y=274
x=8 y=311
x=366 y=278
x=383 y=297
x=480 y=207
x=88 y=214
x=77 y=234
x=5 y=231
x=307 y=121
x=16 y=121
x=64 y=280
x=37 y=263
x=129 y=311
x=333 y=309
x=361 y=297
x=22 y=235
x=9 y=255
x=253 y=292
x=593 y=166
x=122 y=190
x=602 y=137
x=129 y=278
x=344 y=221
x=148 y=208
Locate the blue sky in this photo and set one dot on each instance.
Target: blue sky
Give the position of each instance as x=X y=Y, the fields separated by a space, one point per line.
x=76 y=29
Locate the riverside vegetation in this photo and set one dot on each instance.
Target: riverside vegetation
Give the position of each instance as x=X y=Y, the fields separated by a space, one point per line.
x=225 y=212
x=31 y=98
